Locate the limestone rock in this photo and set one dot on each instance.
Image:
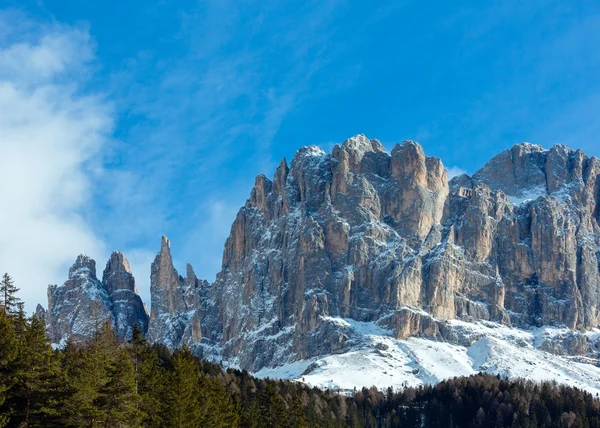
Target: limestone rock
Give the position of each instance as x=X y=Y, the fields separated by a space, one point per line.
x=176 y=302
x=80 y=305
x=359 y=236
x=127 y=306
x=363 y=234
x=83 y=303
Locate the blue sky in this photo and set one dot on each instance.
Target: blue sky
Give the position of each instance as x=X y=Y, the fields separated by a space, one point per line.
x=124 y=121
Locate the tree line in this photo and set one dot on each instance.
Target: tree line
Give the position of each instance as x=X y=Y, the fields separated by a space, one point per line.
x=104 y=383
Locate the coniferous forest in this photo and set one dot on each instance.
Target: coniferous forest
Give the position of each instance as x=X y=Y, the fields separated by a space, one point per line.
x=104 y=383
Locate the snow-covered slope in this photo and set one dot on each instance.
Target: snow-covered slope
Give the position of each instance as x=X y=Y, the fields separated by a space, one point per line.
x=380 y=360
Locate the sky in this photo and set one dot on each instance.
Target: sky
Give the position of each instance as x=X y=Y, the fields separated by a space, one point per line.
x=124 y=121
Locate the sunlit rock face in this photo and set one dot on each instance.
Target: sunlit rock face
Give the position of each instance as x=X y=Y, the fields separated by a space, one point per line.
x=381 y=238
x=127 y=307
x=83 y=303
x=363 y=234
x=176 y=302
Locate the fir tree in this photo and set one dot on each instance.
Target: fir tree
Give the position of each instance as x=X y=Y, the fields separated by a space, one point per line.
x=223 y=409
x=86 y=376
x=151 y=379
x=272 y=408
x=183 y=396
x=138 y=347
x=38 y=378
x=297 y=416
x=251 y=415
x=8 y=294
x=9 y=352
x=118 y=397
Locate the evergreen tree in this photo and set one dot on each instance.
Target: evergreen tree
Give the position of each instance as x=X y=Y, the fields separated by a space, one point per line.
x=8 y=294
x=297 y=416
x=138 y=349
x=272 y=408
x=251 y=414
x=223 y=409
x=118 y=397
x=86 y=376
x=9 y=352
x=150 y=380
x=37 y=378
x=183 y=396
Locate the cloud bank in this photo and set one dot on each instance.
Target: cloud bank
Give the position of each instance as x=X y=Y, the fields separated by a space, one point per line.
x=51 y=136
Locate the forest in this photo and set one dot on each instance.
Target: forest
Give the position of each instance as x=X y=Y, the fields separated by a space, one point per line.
x=104 y=383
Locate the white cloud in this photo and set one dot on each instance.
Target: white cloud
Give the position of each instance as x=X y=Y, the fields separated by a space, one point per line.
x=454 y=171
x=50 y=140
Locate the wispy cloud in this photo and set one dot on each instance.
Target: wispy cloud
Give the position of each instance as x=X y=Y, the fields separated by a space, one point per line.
x=454 y=171
x=50 y=139
x=219 y=101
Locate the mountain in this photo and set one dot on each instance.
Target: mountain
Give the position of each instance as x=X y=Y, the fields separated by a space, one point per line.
x=77 y=307
x=176 y=301
x=360 y=259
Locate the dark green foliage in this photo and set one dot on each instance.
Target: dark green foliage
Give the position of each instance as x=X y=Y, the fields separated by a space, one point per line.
x=9 y=352
x=9 y=302
x=184 y=398
x=104 y=383
x=38 y=377
x=272 y=408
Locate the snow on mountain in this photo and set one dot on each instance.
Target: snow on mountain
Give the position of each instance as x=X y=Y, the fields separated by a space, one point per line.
x=361 y=267
x=383 y=361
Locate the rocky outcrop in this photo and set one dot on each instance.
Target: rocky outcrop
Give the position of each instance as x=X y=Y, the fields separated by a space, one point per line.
x=127 y=307
x=77 y=307
x=176 y=302
x=83 y=303
x=382 y=239
x=40 y=312
x=362 y=234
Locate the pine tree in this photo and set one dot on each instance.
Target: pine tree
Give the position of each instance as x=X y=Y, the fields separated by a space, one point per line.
x=9 y=352
x=183 y=396
x=151 y=379
x=223 y=410
x=118 y=397
x=297 y=416
x=8 y=294
x=272 y=408
x=251 y=415
x=37 y=376
x=86 y=376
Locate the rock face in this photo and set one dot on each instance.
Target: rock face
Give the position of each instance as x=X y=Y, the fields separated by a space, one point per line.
x=126 y=306
x=176 y=302
x=370 y=236
x=363 y=235
x=82 y=303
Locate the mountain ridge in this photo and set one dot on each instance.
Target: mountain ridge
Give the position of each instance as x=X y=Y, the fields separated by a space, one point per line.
x=363 y=235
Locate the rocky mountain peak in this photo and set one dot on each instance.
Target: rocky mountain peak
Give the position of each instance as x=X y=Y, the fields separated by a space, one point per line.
x=117 y=274
x=361 y=237
x=165 y=281
x=280 y=177
x=80 y=304
x=527 y=171
x=83 y=266
x=175 y=301
x=364 y=234
x=127 y=307
x=165 y=245
x=40 y=312
x=190 y=274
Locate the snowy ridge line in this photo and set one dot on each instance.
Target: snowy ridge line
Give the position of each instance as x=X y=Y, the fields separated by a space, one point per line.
x=380 y=360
